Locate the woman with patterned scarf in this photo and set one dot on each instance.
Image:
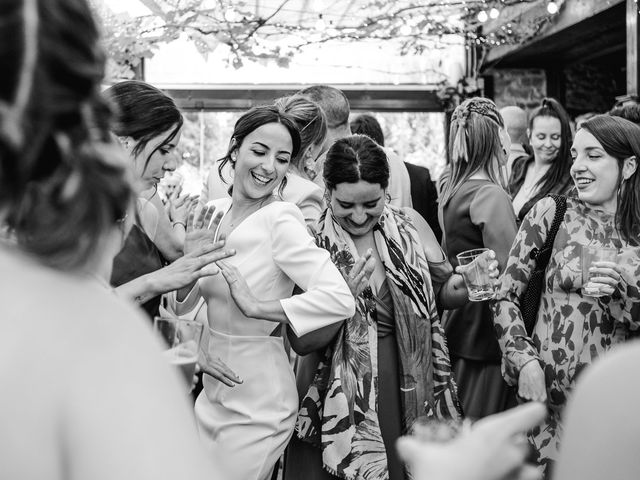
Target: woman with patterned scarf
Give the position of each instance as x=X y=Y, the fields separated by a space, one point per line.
x=388 y=365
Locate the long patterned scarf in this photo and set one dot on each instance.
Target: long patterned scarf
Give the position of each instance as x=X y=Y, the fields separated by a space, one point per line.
x=339 y=412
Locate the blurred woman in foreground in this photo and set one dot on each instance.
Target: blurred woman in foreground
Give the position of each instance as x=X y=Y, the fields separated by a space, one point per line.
x=65 y=194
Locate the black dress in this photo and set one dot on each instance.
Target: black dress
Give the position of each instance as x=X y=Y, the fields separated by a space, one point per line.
x=478 y=215
x=138 y=256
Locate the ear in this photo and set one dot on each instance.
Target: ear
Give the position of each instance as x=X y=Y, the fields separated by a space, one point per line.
x=126 y=142
x=629 y=167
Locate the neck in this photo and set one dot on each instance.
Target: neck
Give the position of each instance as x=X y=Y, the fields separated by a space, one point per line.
x=538 y=164
x=241 y=204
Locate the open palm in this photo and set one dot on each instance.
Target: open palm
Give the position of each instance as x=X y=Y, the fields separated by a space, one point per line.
x=201 y=230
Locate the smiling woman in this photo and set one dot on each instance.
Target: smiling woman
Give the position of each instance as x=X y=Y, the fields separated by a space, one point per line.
x=547 y=170
x=148 y=125
x=572 y=328
x=251 y=423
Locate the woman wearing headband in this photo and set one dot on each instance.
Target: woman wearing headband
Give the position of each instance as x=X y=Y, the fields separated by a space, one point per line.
x=476 y=213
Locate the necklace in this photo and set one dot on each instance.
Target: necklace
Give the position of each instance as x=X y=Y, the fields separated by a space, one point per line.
x=234 y=222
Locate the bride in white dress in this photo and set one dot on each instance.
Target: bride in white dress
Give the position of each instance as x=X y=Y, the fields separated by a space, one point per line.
x=251 y=423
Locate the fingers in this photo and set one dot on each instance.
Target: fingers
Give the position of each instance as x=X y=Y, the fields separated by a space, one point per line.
x=208 y=265
x=207 y=248
x=515 y=420
x=213 y=225
x=194 y=222
x=218 y=370
x=207 y=217
x=228 y=272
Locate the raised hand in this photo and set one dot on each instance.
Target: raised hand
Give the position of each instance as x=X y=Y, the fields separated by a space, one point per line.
x=240 y=291
x=201 y=229
x=495 y=448
x=199 y=262
x=358 y=278
x=181 y=206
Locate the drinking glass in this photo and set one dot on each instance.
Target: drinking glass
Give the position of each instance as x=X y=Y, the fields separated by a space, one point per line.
x=475 y=271
x=590 y=254
x=183 y=343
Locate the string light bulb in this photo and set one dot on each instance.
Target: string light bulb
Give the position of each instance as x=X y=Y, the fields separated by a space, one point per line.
x=482 y=16
x=405 y=30
x=494 y=13
x=552 y=8
x=320 y=25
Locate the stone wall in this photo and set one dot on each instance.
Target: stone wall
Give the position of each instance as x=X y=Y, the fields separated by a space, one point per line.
x=517 y=86
x=592 y=88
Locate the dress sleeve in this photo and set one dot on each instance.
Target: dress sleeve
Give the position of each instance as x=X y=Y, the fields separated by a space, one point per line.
x=326 y=298
x=492 y=212
x=517 y=348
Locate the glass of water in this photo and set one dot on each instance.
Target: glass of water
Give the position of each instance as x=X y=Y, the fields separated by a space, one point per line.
x=474 y=267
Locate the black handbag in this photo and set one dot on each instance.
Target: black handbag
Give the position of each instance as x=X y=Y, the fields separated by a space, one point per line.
x=530 y=299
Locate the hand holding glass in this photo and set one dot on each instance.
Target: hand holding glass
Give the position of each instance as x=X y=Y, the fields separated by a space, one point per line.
x=474 y=267
x=183 y=343
x=592 y=254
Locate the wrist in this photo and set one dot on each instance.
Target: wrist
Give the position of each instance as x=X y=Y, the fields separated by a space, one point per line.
x=152 y=284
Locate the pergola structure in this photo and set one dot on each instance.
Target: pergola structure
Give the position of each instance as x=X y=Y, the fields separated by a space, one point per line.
x=599 y=34
x=381 y=98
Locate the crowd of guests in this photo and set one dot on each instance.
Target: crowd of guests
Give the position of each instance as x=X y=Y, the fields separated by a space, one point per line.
x=325 y=272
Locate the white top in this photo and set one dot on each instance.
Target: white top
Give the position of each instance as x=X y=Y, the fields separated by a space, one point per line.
x=305 y=194
x=274 y=253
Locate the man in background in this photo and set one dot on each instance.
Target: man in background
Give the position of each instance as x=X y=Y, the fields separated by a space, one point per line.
x=515 y=120
x=335 y=106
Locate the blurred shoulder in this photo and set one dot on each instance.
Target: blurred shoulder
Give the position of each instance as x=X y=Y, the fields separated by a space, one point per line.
x=299 y=189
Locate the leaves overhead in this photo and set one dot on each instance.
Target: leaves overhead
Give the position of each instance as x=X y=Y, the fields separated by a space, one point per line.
x=275 y=30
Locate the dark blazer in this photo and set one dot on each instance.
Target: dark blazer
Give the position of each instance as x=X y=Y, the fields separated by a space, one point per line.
x=424 y=196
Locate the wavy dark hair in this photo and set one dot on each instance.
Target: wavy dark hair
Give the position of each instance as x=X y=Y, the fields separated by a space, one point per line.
x=63 y=182
x=620 y=138
x=253 y=119
x=356 y=158
x=143 y=112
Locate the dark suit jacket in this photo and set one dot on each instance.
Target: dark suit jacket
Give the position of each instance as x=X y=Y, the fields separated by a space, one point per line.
x=424 y=196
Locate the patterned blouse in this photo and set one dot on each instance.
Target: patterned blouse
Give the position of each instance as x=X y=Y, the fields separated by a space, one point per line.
x=572 y=330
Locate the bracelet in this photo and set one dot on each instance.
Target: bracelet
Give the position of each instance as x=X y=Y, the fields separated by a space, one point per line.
x=178 y=223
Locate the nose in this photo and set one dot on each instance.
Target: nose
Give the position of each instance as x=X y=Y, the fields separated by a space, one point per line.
x=577 y=165
x=171 y=163
x=269 y=163
x=358 y=215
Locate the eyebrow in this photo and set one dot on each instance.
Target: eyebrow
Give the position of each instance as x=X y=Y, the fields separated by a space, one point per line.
x=368 y=201
x=268 y=148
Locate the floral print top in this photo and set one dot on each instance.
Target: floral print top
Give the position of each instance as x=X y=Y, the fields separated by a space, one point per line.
x=572 y=330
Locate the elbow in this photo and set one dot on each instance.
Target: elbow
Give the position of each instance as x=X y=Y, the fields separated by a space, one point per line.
x=349 y=305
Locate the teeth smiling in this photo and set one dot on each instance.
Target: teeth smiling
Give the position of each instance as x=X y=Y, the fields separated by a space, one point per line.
x=260 y=178
x=584 y=181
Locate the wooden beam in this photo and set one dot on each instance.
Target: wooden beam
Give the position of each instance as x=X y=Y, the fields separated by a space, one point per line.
x=380 y=98
x=573 y=12
x=632 y=47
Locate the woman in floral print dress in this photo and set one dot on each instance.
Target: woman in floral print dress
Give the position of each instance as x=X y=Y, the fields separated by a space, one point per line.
x=572 y=329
